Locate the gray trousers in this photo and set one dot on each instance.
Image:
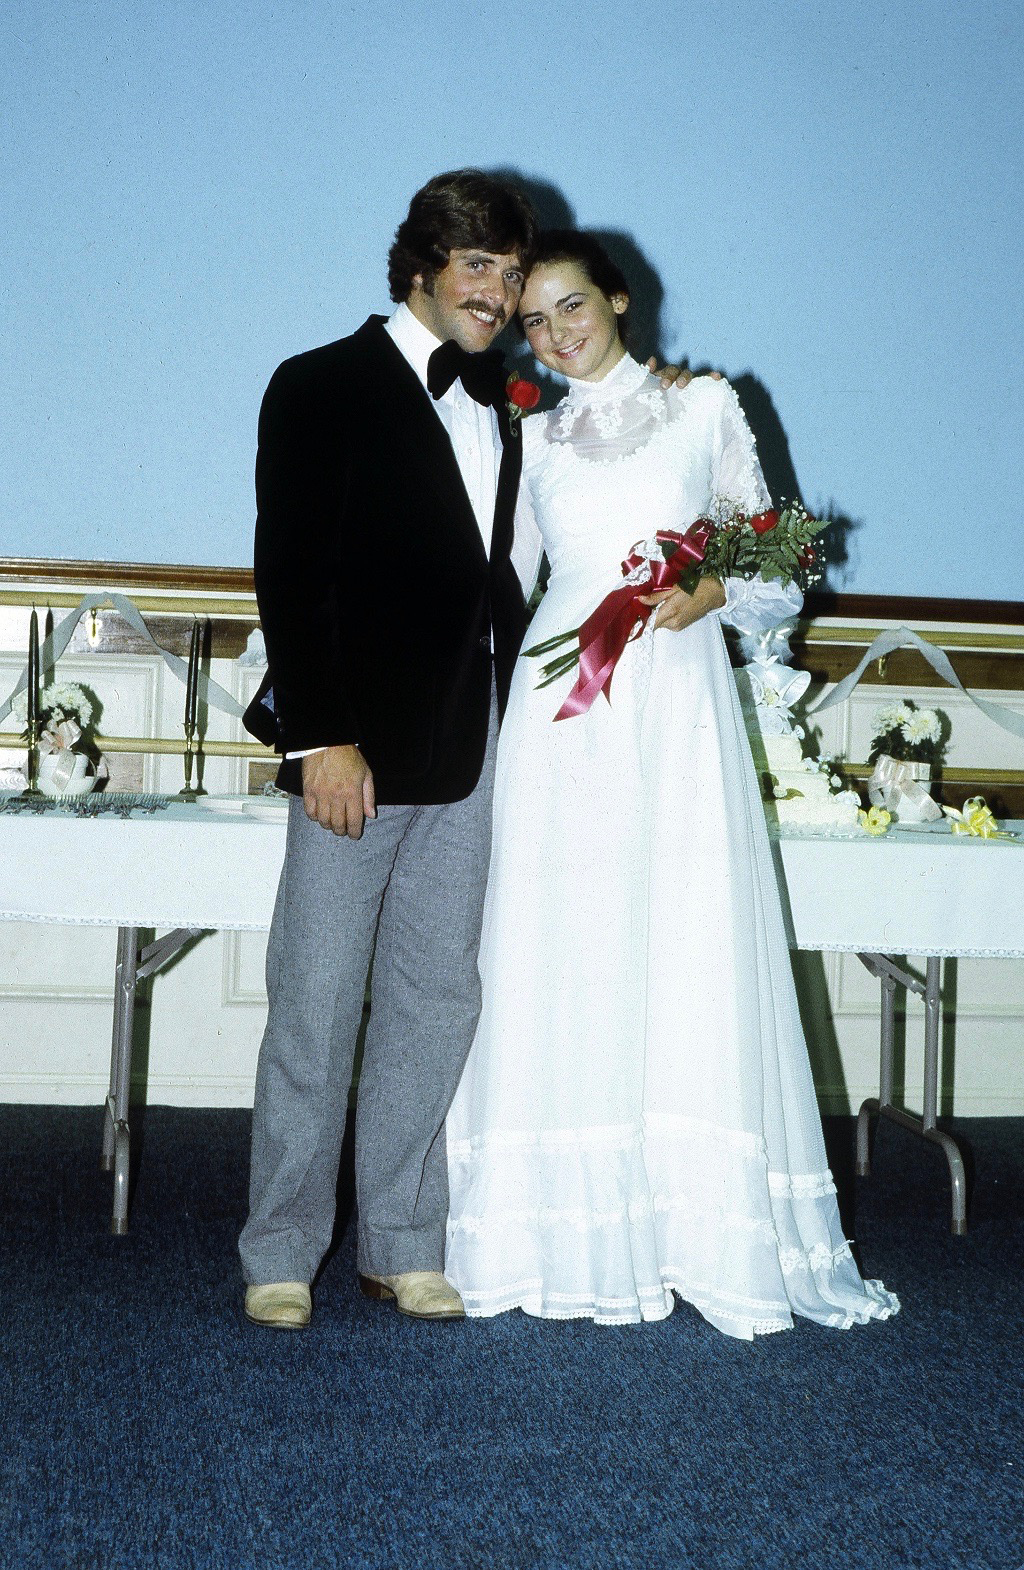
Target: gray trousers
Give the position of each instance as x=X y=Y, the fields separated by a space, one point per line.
x=414 y=883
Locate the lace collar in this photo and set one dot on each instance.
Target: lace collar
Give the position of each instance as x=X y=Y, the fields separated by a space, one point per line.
x=625 y=378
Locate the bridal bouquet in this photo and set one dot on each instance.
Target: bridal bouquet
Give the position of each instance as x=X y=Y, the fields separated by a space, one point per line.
x=775 y=545
x=732 y=545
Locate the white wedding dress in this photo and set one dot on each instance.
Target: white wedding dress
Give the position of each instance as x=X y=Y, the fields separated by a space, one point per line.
x=637 y=1116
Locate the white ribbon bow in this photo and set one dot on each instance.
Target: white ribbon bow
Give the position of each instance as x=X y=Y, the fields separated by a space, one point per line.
x=894 y=787
x=60 y=739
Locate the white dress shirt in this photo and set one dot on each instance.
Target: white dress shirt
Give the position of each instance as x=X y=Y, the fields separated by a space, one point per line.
x=472 y=428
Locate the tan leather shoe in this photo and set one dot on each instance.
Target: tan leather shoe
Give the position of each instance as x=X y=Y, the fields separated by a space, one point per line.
x=422 y=1294
x=281 y=1305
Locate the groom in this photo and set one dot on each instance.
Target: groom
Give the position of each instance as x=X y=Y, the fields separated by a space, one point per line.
x=386 y=484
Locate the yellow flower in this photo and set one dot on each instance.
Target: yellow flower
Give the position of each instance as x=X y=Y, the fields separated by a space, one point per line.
x=975 y=819
x=875 y=821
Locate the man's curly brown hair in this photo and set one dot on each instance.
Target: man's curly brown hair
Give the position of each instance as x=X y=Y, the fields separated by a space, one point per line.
x=459 y=211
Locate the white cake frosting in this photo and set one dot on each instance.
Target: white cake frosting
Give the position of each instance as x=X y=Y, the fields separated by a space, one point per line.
x=802 y=790
x=799 y=791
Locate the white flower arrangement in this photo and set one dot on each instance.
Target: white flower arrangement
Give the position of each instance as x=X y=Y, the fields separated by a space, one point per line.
x=60 y=701
x=908 y=734
x=922 y=725
x=889 y=716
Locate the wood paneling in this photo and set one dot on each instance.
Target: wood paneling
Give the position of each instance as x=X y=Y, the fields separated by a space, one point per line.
x=126 y=575
x=225 y=638
x=911 y=609
x=985 y=669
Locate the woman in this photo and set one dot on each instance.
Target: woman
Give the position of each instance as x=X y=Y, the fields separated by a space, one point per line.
x=637 y=1117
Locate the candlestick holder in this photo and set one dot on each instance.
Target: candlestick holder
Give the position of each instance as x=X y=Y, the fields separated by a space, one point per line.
x=188 y=793
x=32 y=761
x=192 y=754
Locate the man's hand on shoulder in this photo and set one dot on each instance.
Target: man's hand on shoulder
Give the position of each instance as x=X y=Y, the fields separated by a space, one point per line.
x=337 y=790
x=675 y=373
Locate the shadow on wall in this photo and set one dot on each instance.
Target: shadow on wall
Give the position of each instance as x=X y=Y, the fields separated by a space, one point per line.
x=647 y=297
x=783 y=486
x=646 y=294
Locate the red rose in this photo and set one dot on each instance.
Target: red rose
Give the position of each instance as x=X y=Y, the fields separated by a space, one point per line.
x=523 y=394
x=763 y=522
x=806 y=558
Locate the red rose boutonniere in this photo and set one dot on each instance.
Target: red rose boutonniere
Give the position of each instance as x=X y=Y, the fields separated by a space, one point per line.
x=520 y=397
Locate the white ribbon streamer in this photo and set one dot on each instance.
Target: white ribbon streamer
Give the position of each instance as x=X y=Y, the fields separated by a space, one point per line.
x=53 y=647
x=903 y=638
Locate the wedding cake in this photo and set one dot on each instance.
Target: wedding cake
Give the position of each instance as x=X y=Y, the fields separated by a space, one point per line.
x=799 y=791
x=804 y=790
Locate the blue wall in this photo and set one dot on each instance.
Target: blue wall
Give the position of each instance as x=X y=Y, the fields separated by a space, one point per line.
x=829 y=196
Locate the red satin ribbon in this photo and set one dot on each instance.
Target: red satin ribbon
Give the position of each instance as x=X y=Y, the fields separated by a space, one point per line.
x=621 y=616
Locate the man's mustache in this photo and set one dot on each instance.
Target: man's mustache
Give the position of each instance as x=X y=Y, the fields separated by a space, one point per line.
x=500 y=316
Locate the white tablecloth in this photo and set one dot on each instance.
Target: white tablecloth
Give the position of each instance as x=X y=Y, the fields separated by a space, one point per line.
x=210 y=865
x=217 y=865
x=907 y=893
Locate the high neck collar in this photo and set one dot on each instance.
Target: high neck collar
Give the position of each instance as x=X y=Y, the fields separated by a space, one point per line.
x=624 y=378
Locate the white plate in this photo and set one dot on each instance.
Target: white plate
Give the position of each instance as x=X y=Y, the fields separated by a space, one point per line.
x=269 y=808
x=217 y=803
x=266 y=809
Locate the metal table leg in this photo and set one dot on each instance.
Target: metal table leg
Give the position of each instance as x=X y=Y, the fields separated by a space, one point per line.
x=131 y=966
x=116 y=1136
x=892 y=975
x=954 y=1160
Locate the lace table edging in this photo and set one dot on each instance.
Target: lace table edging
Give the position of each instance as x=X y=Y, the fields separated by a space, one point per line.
x=140 y=921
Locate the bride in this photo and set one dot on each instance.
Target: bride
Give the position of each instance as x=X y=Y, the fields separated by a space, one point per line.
x=637 y=1118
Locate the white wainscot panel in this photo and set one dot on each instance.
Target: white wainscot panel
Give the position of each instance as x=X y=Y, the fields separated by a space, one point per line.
x=56 y=1052
x=245 y=958
x=43 y=960
x=128 y=690
x=221 y=776
x=202 y=1050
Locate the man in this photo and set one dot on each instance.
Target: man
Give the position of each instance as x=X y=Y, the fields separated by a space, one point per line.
x=392 y=616
x=386 y=480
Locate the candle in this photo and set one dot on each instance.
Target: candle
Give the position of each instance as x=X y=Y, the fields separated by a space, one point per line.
x=192 y=686
x=33 y=672
x=32 y=702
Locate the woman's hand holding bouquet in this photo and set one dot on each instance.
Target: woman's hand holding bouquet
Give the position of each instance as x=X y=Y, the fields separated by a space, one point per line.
x=680 y=578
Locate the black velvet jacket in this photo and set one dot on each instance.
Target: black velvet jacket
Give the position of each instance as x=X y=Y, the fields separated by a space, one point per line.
x=376 y=596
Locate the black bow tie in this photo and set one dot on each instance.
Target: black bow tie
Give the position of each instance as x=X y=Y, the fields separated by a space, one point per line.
x=482 y=375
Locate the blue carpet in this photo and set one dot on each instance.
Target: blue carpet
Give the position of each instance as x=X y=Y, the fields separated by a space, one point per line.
x=145 y=1423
